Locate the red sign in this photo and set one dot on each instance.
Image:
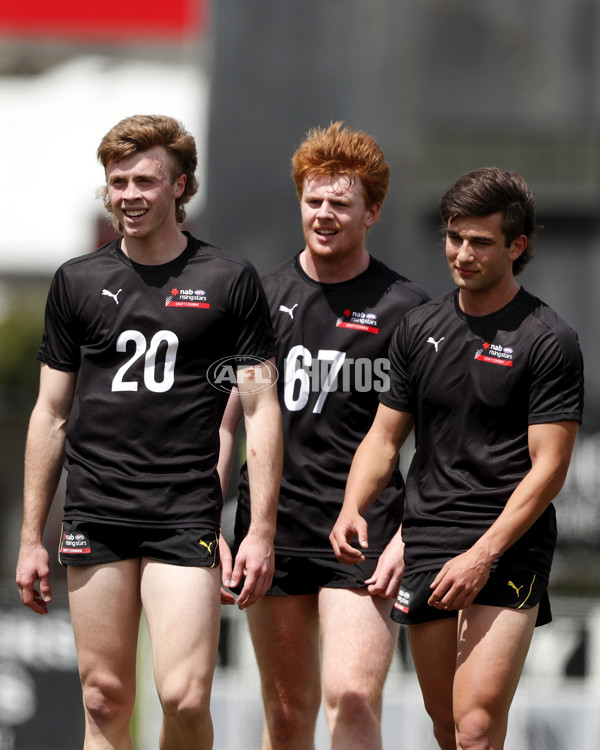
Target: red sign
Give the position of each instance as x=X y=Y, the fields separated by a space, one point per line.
x=104 y=19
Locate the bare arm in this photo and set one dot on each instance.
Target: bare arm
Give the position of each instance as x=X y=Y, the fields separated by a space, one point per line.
x=370 y=473
x=264 y=456
x=462 y=577
x=227 y=434
x=44 y=455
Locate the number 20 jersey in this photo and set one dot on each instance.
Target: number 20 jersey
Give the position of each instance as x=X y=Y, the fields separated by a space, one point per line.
x=142 y=439
x=332 y=342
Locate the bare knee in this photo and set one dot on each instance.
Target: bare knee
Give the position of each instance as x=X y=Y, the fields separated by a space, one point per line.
x=444 y=729
x=291 y=718
x=475 y=731
x=352 y=707
x=107 y=701
x=187 y=707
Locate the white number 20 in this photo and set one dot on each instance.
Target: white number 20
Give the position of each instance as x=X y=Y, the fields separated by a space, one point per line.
x=149 y=352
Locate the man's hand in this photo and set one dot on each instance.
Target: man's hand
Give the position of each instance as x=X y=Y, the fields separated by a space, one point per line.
x=255 y=565
x=459 y=581
x=226 y=566
x=386 y=579
x=34 y=565
x=348 y=526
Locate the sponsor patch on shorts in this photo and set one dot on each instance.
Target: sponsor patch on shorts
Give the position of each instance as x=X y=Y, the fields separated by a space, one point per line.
x=74 y=544
x=403 y=600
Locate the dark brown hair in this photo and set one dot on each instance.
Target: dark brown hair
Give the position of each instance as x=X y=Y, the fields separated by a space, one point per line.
x=490 y=190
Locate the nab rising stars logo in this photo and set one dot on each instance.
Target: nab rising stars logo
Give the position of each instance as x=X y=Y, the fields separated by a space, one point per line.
x=495 y=354
x=358 y=321
x=187 y=298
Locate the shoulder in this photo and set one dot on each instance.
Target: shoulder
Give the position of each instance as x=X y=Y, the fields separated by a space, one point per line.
x=545 y=323
x=432 y=309
x=217 y=255
x=282 y=270
x=399 y=284
x=76 y=274
x=228 y=269
x=435 y=317
x=541 y=312
x=85 y=261
x=552 y=339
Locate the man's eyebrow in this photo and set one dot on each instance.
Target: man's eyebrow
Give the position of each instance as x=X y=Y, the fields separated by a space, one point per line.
x=475 y=238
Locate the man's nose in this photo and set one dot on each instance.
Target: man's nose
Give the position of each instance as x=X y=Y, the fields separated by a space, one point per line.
x=465 y=251
x=324 y=209
x=131 y=191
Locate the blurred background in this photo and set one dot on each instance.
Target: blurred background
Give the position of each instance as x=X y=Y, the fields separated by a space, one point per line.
x=445 y=86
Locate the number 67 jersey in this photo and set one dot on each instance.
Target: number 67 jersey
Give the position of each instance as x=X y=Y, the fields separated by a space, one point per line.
x=332 y=357
x=142 y=438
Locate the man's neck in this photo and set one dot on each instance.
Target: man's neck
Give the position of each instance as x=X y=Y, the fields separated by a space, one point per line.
x=486 y=302
x=333 y=270
x=155 y=251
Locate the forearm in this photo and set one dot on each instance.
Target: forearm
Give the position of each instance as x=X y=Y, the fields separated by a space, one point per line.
x=370 y=472
x=227 y=438
x=255 y=560
x=264 y=457
x=44 y=455
x=550 y=447
x=526 y=504
x=44 y=451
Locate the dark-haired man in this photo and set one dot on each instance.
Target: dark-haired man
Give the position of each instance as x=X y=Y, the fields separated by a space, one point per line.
x=492 y=379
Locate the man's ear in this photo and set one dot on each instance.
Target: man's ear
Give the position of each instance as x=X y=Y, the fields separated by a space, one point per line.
x=373 y=214
x=179 y=186
x=518 y=247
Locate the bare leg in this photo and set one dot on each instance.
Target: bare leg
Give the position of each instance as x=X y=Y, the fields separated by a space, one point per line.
x=182 y=606
x=358 y=639
x=492 y=647
x=105 y=612
x=285 y=634
x=433 y=648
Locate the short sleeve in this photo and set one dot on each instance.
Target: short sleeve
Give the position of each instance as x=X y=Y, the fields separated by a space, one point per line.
x=60 y=347
x=556 y=389
x=399 y=395
x=254 y=330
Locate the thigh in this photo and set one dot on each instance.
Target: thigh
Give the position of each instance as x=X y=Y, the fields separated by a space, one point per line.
x=182 y=608
x=105 y=607
x=285 y=635
x=358 y=638
x=433 y=649
x=492 y=647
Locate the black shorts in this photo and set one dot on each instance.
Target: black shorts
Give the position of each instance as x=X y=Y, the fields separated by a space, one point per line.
x=295 y=576
x=306 y=575
x=85 y=543
x=516 y=589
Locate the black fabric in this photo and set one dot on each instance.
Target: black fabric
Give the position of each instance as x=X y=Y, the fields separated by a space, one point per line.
x=474 y=385
x=321 y=329
x=142 y=443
